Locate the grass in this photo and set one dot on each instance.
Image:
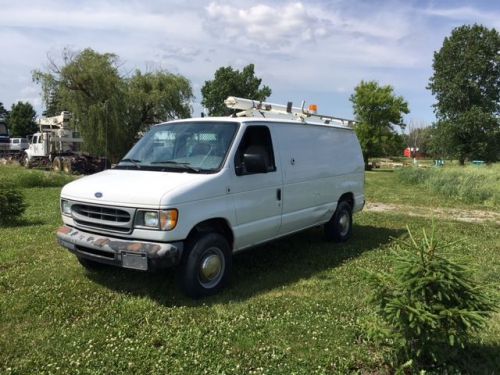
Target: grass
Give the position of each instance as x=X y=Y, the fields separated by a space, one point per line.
x=297 y=305
x=10 y=176
x=470 y=185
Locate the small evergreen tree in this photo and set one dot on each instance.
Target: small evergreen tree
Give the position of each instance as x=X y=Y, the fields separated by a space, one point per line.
x=430 y=303
x=12 y=205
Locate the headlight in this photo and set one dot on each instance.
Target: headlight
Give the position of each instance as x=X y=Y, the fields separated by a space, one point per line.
x=151 y=219
x=164 y=219
x=168 y=219
x=65 y=207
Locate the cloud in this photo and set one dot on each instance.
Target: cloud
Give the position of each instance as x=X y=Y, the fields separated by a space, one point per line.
x=180 y=53
x=265 y=25
x=466 y=13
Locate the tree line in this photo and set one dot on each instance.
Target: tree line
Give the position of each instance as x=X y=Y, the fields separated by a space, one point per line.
x=111 y=110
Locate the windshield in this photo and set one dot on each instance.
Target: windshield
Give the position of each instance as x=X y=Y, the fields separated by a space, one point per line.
x=196 y=147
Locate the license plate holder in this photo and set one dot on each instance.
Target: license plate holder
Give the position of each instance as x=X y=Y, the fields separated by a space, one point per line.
x=135 y=261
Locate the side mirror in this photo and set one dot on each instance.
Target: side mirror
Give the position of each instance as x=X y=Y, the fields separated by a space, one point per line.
x=255 y=162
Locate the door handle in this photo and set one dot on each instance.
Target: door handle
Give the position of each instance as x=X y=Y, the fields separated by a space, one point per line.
x=278 y=194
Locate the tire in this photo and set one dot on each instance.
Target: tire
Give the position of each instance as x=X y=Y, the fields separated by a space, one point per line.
x=91 y=265
x=206 y=265
x=339 y=228
x=26 y=161
x=67 y=165
x=57 y=164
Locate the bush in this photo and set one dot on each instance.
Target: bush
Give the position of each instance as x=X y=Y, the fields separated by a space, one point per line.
x=12 y=204
x=430 y=304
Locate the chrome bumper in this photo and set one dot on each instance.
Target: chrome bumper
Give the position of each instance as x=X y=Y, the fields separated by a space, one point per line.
x=138 y=255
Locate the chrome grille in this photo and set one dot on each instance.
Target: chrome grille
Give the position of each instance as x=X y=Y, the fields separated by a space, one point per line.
x=101 y=213
x=104 y=218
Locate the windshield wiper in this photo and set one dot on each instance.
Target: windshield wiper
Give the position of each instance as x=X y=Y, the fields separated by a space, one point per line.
x=176 y=164
x=133 y=161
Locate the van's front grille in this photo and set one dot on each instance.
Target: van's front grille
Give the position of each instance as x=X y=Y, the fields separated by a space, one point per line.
x=103 y=218
x=101 y=213
x=101 y=226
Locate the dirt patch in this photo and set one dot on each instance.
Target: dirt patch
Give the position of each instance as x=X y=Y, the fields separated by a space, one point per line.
x=468 y=216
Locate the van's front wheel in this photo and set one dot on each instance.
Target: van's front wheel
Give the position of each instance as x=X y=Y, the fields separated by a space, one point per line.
x=206 y=265
x=339 y=228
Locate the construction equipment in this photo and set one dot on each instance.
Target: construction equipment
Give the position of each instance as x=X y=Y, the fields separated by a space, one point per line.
x=56 y=145
x=254 y=108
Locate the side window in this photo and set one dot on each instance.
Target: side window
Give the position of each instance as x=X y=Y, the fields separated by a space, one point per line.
x=255 y=152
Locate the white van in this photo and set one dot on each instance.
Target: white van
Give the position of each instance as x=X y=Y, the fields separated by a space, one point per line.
x=192 y=192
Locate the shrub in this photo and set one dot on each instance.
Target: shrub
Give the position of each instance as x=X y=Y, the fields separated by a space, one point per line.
x=12 y=204
x=430 y=304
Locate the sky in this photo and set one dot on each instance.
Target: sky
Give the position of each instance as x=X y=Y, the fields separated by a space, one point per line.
x=316 y=51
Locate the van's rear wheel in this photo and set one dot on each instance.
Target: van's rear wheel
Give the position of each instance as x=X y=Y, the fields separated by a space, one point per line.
x=206 y=265
x=339 y=228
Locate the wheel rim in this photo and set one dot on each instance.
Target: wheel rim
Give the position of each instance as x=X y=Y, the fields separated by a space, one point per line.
x=212 y=267
x=344 y=223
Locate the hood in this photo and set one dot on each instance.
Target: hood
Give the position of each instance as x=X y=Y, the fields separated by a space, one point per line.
x=130 y=188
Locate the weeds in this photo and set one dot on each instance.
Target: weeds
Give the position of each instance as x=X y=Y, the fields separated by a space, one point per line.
x=466 y=184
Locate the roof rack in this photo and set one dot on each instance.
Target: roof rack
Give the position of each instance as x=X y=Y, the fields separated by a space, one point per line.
x=252 y=108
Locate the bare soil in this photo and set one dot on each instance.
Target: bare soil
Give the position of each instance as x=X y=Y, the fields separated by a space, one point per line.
x=469 y=216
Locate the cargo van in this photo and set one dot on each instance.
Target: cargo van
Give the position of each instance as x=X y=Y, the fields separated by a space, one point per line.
x=193 y=192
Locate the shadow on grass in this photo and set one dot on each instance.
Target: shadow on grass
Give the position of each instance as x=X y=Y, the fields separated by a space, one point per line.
x=478 y=358
x=377 y=170
x=258 y=270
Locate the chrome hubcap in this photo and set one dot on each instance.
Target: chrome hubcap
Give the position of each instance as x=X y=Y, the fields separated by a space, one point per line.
x=211 y=267
x=344 y=224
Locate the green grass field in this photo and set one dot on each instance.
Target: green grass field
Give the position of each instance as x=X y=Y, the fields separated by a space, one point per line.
x=298 y=305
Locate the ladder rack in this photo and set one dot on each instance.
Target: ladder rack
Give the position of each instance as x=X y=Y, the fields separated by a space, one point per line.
x=252 y=108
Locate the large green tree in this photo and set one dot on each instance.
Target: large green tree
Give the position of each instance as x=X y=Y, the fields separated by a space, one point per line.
x=466 y=83
x=110 y=110
x=378 y=113
x=4 y=113
x=21 y=120
x=231 y=82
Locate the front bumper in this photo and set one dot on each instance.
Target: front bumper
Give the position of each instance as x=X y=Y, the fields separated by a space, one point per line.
x=138 y=255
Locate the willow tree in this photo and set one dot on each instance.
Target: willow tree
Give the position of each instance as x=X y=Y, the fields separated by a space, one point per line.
x=108 y=109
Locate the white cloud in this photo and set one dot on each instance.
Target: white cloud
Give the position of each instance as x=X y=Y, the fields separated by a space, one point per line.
x=271 y=27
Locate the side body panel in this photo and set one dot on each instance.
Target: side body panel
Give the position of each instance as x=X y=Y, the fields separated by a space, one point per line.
x=320 y=163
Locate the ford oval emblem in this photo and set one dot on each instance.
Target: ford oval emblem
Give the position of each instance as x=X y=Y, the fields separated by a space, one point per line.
x=98 y=195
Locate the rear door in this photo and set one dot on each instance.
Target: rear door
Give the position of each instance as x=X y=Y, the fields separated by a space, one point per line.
x=257 y=196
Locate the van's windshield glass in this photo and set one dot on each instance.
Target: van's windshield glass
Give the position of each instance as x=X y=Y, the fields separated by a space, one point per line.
x=194 y=147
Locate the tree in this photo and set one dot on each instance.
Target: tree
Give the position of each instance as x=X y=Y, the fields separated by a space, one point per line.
x=3 y=113
x=21 y=120
x=230 y=82
x=466 y=83
x=108 y=109
x=420 y=135
x=159 y=96
x=378 y=111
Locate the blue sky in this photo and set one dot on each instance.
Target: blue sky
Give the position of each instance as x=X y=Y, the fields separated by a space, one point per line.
x=316 y=51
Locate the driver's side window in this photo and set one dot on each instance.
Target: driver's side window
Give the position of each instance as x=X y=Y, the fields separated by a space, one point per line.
x=255 y=152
